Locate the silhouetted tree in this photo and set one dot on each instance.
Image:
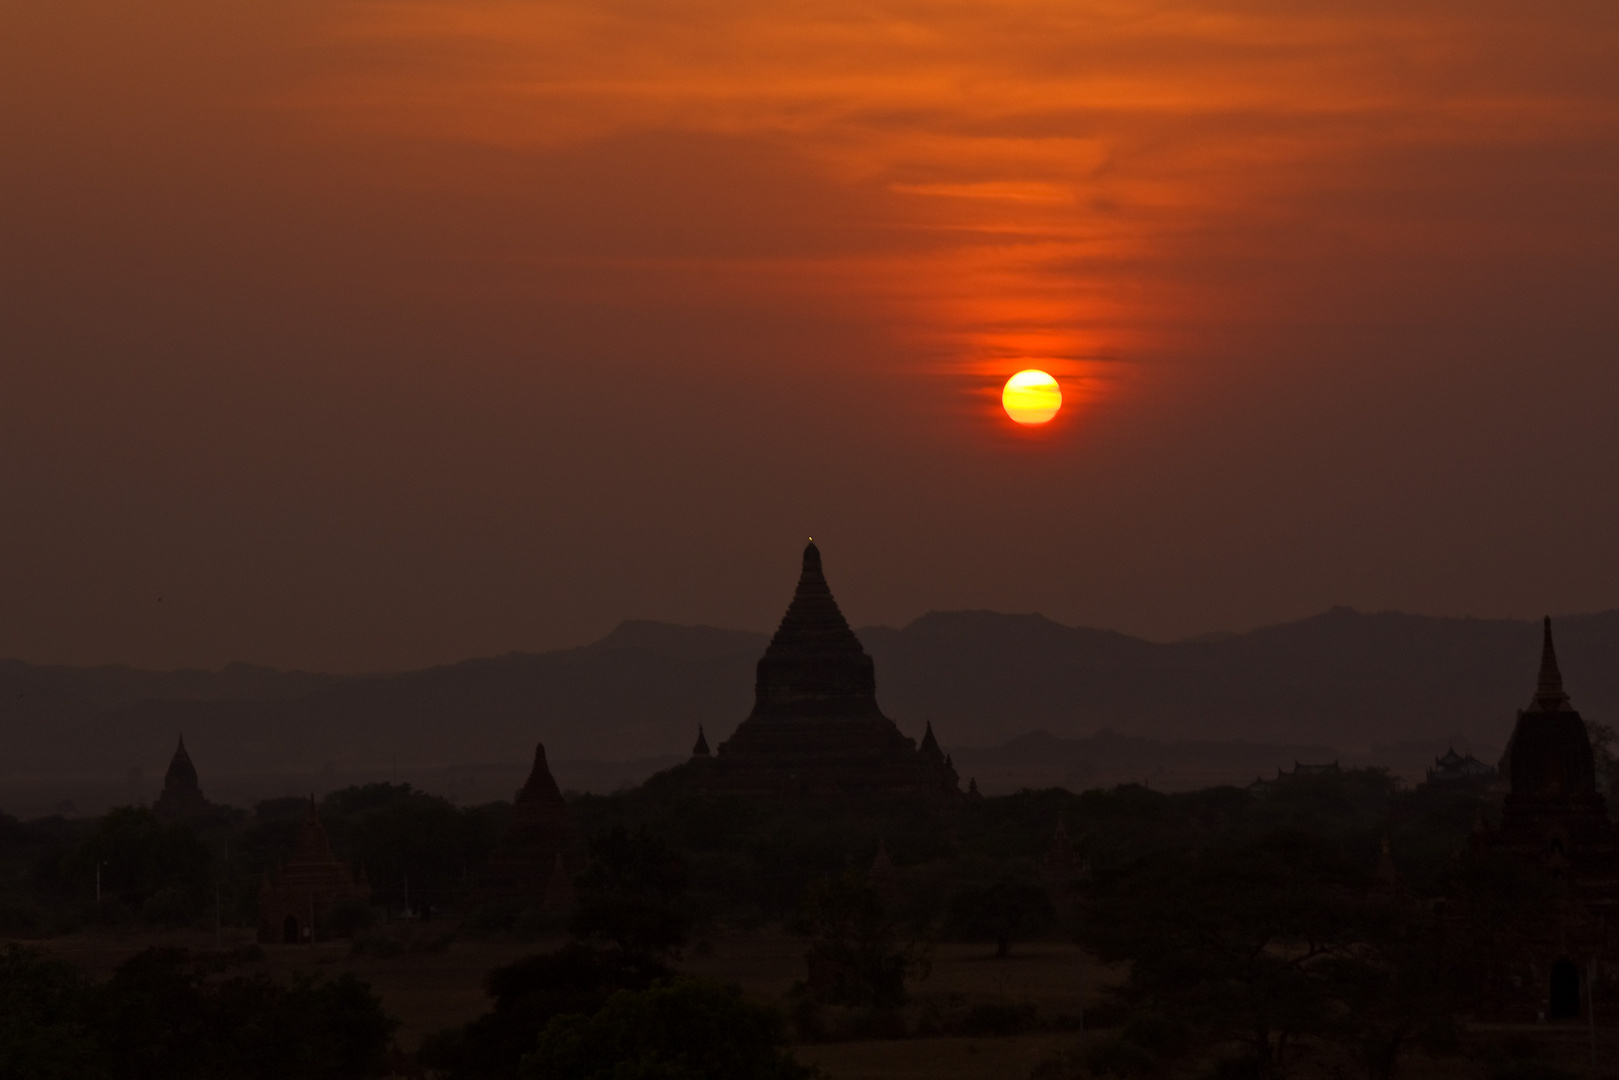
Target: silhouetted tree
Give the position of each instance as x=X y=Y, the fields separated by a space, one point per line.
x=526 y=995
x=1002 y=912
x=856 y=956
x=684 y=1029
x=633 y=895
x=167 y=1014
x=46 y=1016
x=1270 y=943
x=161 y=872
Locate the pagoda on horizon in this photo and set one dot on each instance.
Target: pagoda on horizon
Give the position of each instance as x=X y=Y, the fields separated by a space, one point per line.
x=182 y=798
x=536 y=859
x=816 y=727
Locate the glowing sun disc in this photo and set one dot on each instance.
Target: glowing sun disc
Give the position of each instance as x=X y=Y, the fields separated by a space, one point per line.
x=1031 y=397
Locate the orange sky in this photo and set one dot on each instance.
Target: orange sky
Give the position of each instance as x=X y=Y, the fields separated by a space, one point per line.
x=372 y=334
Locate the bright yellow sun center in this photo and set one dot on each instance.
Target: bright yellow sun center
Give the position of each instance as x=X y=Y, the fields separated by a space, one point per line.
x=1031 y=397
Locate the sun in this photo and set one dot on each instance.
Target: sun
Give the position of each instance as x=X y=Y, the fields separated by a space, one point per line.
x=1031 y=397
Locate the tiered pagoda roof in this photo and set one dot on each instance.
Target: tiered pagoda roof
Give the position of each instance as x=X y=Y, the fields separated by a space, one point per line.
x=816 y=727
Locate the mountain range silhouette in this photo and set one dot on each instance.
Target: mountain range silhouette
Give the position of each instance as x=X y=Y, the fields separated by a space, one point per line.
x=1342 y=681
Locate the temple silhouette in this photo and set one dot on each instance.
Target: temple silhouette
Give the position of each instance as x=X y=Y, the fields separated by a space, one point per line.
x=540 y=852
x=816 y=727
x=1555 y=821
x=295 y=899
x=182 y=798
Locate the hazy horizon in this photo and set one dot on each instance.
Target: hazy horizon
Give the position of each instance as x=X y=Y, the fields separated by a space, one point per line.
x=765 y=632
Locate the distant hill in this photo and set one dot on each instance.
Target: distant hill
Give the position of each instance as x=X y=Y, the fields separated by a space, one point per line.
x=1341 y=680
x=1040 y=759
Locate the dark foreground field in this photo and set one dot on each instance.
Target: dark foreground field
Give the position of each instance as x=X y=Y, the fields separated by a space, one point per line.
x=1027 y=1023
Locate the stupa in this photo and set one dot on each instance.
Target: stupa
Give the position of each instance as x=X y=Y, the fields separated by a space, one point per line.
x=540 y=844
x=816 y=728
x=294 y=900
x=1554 y=816
x=181 y=799
x=1554 y=822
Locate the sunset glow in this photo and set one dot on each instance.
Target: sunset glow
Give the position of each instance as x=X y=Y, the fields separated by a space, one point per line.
x=1031 y=397
x=499 y=297
x=1042 y=211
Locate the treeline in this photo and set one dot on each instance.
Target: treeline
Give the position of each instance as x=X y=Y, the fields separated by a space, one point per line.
x=169 y=1015
x=417 y=850
x=1253 y=920
x=1255 y=924
x=747 y=863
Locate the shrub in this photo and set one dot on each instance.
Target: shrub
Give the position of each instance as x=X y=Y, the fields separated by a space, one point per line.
x=680 y=1029
x=1530 y=1070
x=1118 y=1057
x=998 y=1019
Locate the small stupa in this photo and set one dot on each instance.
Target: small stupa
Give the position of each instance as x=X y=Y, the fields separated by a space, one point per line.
x=816 y=728
x=540 y=843
x=294 y=900
x=181 y=799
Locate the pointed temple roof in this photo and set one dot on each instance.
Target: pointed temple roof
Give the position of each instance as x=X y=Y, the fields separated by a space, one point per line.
x=307 y=883
x=815 y=665
x=930 y=745
x=182 y=774
x=1549 y=753
x=815 y=724
x=539 y=802
x=539 y=838
x=1549 y=695
x=701 y=747
x=313 y=846
x=1554 y=817
x=182 y=797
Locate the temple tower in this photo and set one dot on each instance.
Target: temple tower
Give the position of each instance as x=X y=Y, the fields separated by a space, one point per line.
x=294 y=900
x=181 y=799
x=1554 y=820
x=1554 y=815
x=816 y=727
x=539 y=844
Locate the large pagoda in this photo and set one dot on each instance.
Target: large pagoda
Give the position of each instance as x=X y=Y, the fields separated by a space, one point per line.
x=816 y=728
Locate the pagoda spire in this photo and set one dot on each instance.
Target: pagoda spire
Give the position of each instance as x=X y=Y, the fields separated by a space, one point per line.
x=814 y=665
x=182 y=774
x=1549 y=695
x=930 y=745
x=701 y=749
